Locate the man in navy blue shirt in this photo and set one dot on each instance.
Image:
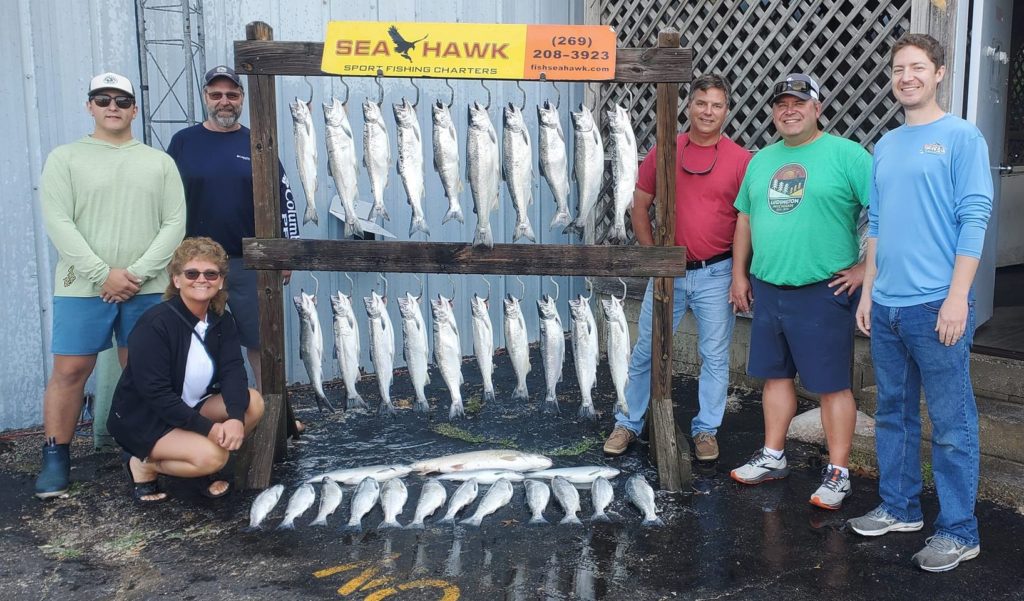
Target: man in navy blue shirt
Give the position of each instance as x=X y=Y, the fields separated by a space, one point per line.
x=216 y=170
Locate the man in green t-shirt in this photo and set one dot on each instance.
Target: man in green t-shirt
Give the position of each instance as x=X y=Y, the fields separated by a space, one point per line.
x=798 y=210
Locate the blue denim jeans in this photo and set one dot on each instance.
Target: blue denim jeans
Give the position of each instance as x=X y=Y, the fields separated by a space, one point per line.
x=706 y=293
x=907 y=354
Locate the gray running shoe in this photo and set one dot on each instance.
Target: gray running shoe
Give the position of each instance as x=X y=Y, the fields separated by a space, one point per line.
x=835 y=487
x=878 y=521
x=759 y=468
x=941 y=554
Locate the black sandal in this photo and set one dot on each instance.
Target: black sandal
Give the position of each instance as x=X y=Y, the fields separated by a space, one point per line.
x=141 y=489
x=206 y=482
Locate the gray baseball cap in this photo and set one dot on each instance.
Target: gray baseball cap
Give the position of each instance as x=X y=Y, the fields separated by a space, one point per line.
x=222 y=71
x=800 y=85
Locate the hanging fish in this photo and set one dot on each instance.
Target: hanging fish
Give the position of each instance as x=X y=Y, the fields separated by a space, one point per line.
x=410 y=163
x=483 y=342
x=376 y=156
x=482 y=171
x=414 y=347
x=552 y=349
x=588 y=166
x=341 y=162
x=446 y=160
x=585 y=352
x=517 y=169
x=622 y=143
x=448 y=352
x=518 y=345
x=311 y=345
x=347 y=348
x=554 y=162
x=382 y=348
x=619 y=349
x=305 y=155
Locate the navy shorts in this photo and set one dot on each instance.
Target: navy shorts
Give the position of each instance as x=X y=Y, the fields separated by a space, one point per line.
x=84 y=325
x=807 y=331
x=243 y=302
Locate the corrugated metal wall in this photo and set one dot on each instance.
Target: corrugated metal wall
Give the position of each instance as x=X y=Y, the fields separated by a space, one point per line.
x=61 y=45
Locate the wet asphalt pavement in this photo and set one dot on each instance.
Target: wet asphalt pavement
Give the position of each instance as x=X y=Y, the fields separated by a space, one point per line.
x=722 y=540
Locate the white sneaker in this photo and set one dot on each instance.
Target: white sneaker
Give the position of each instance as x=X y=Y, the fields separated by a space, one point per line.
x=835 y=487
x=878 y=521
x=761 y=467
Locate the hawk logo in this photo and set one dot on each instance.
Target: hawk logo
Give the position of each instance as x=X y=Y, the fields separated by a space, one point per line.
x=934 y=148
x=786 y=189
x=110 y=79
x=403 y=47
x=70 y=277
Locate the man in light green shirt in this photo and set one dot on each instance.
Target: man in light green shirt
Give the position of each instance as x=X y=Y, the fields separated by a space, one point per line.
x=114 y=209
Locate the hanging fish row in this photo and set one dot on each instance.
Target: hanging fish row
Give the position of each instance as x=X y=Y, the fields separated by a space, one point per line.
x=484 y=167
x=448 y=347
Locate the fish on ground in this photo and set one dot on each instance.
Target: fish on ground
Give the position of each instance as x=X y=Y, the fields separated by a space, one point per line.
x=432 y=496
x=448 y=352
x=464 y=495
x=355 y=475
x=494 y=459
x=414 y=347
x=517 y=169
x=347 y=348
x=483 y=476
x=305 y=155
x=393 y=496
x=483 y=343
x=601 y=495
x=311 y=345
x=582 y=474
x=342 y=164
x=619 y=348
x=382 y=348
x=263 y=504
x=537 y=496
x=446 y=160
x=376 y=156
x=517 y=343
x=498 y=495
x=588 y=167
x=568 y=497
x=301 y=500
x=363 y=500
x=482 y=171
x=585 y=352
x=554 y=162
x=330 y=498
x=641 y=494
x=410 y=163
x=624 y=159
x=552 y=349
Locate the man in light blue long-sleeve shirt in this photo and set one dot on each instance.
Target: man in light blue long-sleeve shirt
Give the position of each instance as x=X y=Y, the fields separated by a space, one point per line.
x=930 y=203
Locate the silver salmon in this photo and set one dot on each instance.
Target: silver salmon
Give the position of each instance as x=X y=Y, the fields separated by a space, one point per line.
x=354 y=475
x=641 y=494
x=498 y=495
x=363 y=500
x=482 y=171
x=619 y=349
x=622 y=147
x=585 y=352
x=330 y=498
x=382 y=348
x=464 y=495
x=376 y=156
x=347 y=348
x=552 y=349
x=601 y=495
x=554 y=162
x=448 y=352
x=263 y=504
x=301 y=500
x=432 y=496
x=311 y=345
x=582 y=474
x=537 y=496
x=568 y=497
x=410 y=163
x=305 y=155
x=393 y=496
x=588 y=166
x=483 y=476
x=517 y=169
x=495 y=459
x=414 y=347
x=483 y=343
x=341 y=162
x=446 y=160
x=517 y=343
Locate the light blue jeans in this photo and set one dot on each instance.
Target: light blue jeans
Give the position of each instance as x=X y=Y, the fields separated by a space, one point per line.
x=907 y=353
x=706 y=293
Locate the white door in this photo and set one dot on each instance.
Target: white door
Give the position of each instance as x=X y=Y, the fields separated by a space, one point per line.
x=986 y=107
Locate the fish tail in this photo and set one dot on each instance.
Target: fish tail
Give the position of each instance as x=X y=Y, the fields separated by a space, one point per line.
x=386 y=409
x=286 y=526
x=524 y=229
x=421 y=405
x=355 y=402
x=561 y=219
x=446 y=520
x=623 y=407
x=489 y=395
x=419 y=224
x=456 y=410
x=319 y=522
x=653 y=522
x=538 y=521
x=389 y=524
x=587 y=411
x=453 y=213
x=310 y=214
x=321 y=402
x=570 y=519
x=521 y=393
x=617 y=233
x=353 y=227
x=378 y=210
x=484 y=237
x=574 y=228
x=414 y=526
x=551 y=403
x=356 y=527
x=600 y=517
x=473 y=521
x=253 y=528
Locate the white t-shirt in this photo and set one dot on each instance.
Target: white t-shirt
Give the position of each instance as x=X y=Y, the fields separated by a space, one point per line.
x=198 y=368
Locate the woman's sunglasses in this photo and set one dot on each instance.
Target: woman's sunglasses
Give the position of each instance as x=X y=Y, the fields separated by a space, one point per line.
x=209 y=274
x=103 y=101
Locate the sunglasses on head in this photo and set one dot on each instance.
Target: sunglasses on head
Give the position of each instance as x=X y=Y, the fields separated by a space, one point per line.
x=209 y=274
x=797 y=85
x=232 y=96
x=103 y=100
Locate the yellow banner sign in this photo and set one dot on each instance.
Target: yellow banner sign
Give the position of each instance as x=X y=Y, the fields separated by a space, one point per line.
x=469 y=51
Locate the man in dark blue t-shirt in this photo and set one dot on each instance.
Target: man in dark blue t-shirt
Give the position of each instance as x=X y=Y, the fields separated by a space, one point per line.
x=216 y=170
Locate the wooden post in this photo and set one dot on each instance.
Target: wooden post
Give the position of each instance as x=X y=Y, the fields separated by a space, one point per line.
x=939 y=19
x=257 y=456
x=669 y=452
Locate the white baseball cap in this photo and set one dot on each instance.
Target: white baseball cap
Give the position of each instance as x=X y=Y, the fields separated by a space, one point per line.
x=111 y=81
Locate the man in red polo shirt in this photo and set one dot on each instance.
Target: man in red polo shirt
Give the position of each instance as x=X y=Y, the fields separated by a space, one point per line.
x=709 y=170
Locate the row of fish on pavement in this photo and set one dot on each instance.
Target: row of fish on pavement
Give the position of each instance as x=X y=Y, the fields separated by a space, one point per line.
x=491 y=468
x=448 y=347
x=484 y=168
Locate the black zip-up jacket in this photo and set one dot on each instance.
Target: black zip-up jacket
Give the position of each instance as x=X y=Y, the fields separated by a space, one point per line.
x=147 y=402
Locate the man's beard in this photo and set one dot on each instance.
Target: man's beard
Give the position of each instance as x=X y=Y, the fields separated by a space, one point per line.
x=224 y=120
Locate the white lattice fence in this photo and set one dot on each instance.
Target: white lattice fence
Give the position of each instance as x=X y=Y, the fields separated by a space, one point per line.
x=843 y=43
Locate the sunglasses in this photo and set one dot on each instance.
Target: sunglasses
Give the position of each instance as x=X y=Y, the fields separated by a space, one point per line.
x=209 y=274
x=682 y=160
x=232 y=96
x=103 y=101
x=800 y=86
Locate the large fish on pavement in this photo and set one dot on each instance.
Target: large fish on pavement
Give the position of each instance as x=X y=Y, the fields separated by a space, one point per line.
x=432 y=496
x=568 y=497
x=482 y=171
x=410 y=163
x=588 y=166
x=622 y=147
x=305 y=155
x=414 y=347
x=583 y=474
x=342 y=163
x=497 y=459
x=446 y=160
x=376 y=156
x=363 y=500
x=330 y=498
x=263 y=504
x=619 y=348
x=382 y=348
x=642 y=495
x=601 y=495
x=585 y=352
x=498 y=495
x=464 y=495
x=517 y=169
x=552 y=349
x=483 y=343
x=301 y=500
x=347 y=348
x=355 y=475
x=448 y=352
x=537 y=496
x=393 y=496
x=554 y=162
x=517 y=343
x=311 y=345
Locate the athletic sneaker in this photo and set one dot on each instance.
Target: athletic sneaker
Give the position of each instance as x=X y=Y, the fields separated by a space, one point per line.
x=834 y=488
x=759 y=468
x=941 y=554
x=878 y=521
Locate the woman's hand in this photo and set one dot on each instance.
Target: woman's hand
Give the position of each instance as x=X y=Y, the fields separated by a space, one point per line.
x=232 y=435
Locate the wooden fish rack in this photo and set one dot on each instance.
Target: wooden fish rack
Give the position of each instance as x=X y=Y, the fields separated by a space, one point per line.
x=262 y=60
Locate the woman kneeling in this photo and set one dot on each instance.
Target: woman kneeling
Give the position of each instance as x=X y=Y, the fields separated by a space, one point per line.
x=183 y=403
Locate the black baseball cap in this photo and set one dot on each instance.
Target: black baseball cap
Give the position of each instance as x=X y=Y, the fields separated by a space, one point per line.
x=222 y=71
x=800 y=85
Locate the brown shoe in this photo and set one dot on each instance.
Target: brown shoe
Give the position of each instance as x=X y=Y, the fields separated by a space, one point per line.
x=619 y=441
x=706 y=445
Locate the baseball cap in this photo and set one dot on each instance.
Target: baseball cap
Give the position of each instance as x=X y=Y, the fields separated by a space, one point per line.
x=222 y=71
x=797 y=84
x=111 y=81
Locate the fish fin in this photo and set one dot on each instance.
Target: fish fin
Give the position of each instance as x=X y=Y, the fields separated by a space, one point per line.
x=521 y=393
x=419 y=224
x=321 y=402
x=386 y=409
x=388 y=524
x=587 y=412
x=456 y=410
x=256 y=528
x=353 y=527
x=600 y=517
x=379 y=211
x=573 y=228
x=472 y=521
x=319 y=522
x=524 y=229
x=489 y=396
x=561 y=219
x=355 y=402
x=286 y=526
x=455 y=213
x=538 y=521
x=421 y=405
x=551 y=404
x=446 y=520
x=618 y=233
x=415 y=526
x=654 y=522
x=310 y=214
x=353 y=227
x=623 y=409
x=570 y=519
x=484 y=238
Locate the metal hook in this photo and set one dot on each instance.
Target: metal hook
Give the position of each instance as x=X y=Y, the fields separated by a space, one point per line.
x=624 y=289
x=382 y=277
x=558 y=95
x=413 y=82
x=552 y=278
x=317 y=289
x=306 y=79
x=519 y=84
x=590 y=287
x=420 y=280
x=523 y=286
x=488 y=282
x=452 y=100
x=488 y=105
x=452 y=281
x=351 y=285
x=380 y=86
x=344 y=83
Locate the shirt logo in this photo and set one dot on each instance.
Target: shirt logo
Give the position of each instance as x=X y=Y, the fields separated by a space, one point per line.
x=934 y=148
x=786 y=189
x=70 y=277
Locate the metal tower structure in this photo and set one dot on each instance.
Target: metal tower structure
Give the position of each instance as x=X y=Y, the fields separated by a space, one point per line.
x=170 y=97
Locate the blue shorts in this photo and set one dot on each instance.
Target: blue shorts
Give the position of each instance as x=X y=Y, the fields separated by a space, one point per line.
x=85 y=325
x=807 y=331
x=244 y=303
